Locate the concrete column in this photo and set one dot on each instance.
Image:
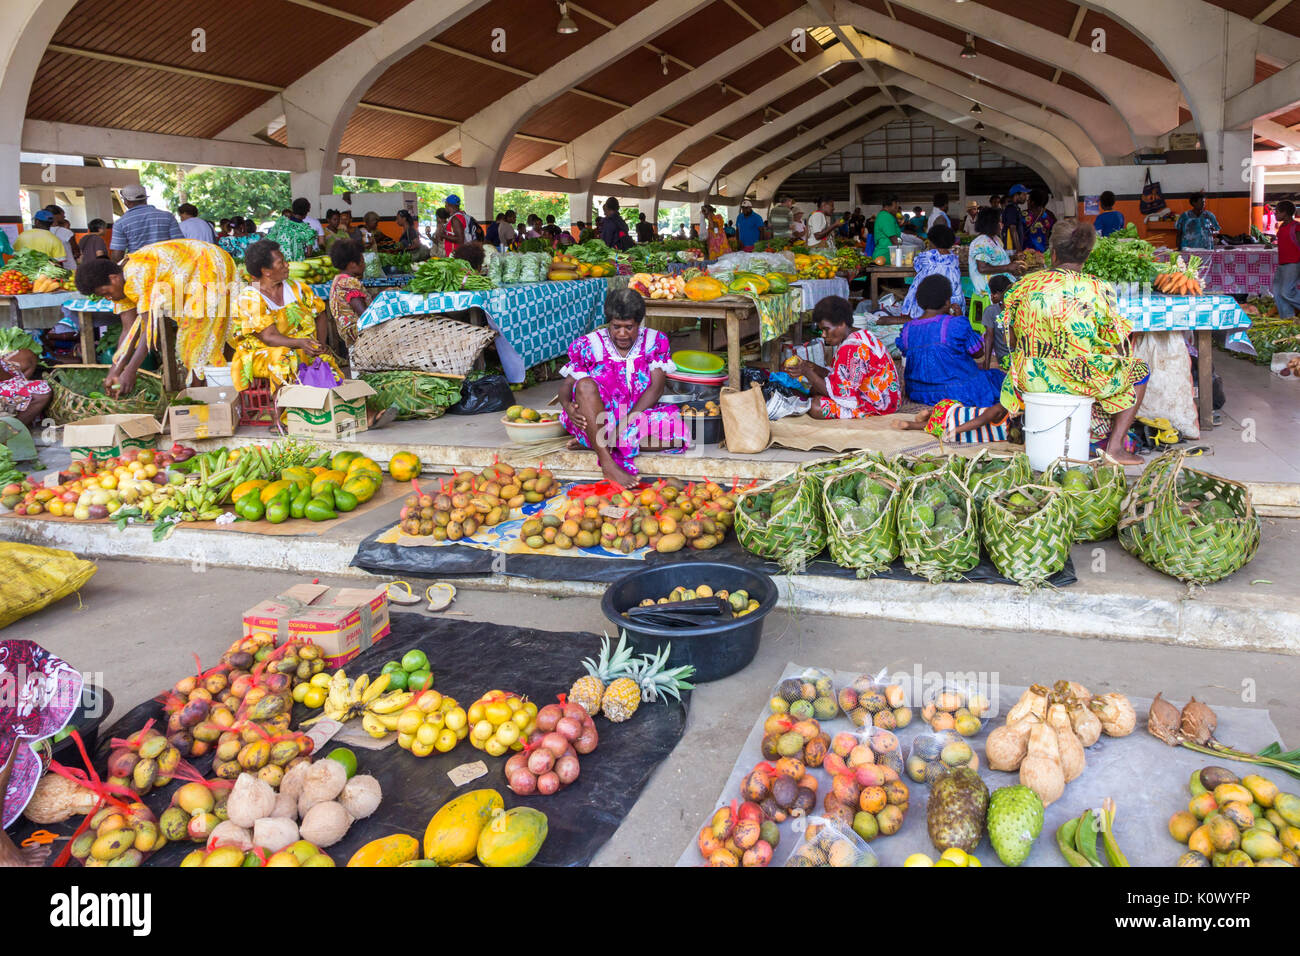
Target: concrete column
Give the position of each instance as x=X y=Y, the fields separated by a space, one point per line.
x=1257 y=197
x=478 y=202
x=99 y=203
x=580 y=206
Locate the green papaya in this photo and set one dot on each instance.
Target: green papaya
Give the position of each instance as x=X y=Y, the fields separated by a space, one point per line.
x=319 y=509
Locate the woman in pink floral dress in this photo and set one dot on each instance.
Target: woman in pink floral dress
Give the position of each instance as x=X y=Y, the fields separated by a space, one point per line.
x=862 y=380
x=612 y=385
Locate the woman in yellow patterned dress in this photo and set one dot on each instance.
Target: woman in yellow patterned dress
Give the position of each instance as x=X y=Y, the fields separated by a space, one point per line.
x=193 y=283
x=274 y=330
x=1067 y=336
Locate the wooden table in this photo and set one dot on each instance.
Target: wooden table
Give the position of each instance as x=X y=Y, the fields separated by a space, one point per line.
x=875 y=273
x=739 y=313
x=33 y=311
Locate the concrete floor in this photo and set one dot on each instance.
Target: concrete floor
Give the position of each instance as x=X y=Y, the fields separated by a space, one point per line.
x=139 y=625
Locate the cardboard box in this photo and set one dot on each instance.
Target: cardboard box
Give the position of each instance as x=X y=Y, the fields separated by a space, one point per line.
x=107 y=436
x=325 y=412
x=215 y=419
x=342 y=622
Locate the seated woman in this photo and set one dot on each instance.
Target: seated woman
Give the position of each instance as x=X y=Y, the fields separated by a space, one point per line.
x=1067 y=337
x=862 y=380
x=22 y=394
x=940 y=260
x=939 y=352
x=612 y=384
x=348 y=298
x=189 y=281
x=274 y=329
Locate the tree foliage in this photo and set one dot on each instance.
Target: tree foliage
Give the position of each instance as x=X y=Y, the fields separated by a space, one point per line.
x=219 y=192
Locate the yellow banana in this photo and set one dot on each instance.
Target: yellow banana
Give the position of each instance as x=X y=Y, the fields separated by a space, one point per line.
x=374 y=688
x=390 y=720
x=358 y=688
x=373 y=725
x=391 y=702
x=337 y=699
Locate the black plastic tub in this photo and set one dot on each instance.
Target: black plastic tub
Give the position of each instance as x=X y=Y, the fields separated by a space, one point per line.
x=715 y=650
x=705 y=430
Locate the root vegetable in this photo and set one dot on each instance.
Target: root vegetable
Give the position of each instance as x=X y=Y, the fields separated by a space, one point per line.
x=361 y=796
x=274 y=833
x=566 y=768
x=1007 y=745
x=324 y=781
x=1068 y=745
x=548 y=783
x=1116 y=714
x=1041 y=771
x=325 y=823
x=251 y=799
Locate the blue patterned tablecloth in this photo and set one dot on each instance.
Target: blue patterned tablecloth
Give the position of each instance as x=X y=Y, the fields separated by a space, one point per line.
x=322 y=289
x=1175 y=313
x=538 y=319
x=89 y=305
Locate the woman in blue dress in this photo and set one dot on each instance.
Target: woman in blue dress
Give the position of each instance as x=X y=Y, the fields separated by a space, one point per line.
x=940 y=260
x=939 y=350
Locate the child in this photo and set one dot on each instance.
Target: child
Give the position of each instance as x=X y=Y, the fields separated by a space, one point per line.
x=940 y=260
x=995 y=336
x=1109 y=221
x=952 y=421
x=939 y=350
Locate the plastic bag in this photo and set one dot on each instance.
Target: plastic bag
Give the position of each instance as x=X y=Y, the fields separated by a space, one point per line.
x=931 y=754
x=810 y=694
x=32 y=577
x=490 y=393
x=830 y=843
x=374 y=269
x=868 y=699
x=956 y=706
x=867 y=791
x=318 y=375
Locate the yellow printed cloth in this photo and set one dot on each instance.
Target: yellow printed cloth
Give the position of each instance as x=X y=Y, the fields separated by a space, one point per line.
x=295 y=318
x=185 y=280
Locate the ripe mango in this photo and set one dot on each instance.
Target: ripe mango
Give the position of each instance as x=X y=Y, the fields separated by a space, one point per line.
x=112 y=845
x=1264 y=791
x=671 y=542
x=1288 y=807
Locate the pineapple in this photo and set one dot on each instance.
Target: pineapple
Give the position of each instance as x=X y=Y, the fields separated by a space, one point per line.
x=590 y=690
x=647 y=680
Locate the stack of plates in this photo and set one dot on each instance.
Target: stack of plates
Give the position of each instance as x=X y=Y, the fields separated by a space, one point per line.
x=702 y=368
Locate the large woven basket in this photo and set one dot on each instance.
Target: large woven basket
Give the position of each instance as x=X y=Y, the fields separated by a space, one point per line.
x=867 y=550
x=69 y=401
x=1161 y=528
x=902 y=465
x=420 y=343
x=1096 y=510
x=932 y=556
x=1016 y=472
x=1028 y=549
x=792 y=536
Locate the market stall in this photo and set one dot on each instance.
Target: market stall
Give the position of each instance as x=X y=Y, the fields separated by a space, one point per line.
x=876 y=273
x=1232 y=270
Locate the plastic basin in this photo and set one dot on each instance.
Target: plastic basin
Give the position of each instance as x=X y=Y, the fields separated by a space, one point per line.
x=65 y=751
x=716 y=650
x=524 y=433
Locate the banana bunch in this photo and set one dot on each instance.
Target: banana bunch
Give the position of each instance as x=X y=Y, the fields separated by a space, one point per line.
x=193 y=501
x=346 y=699
x=380 y=716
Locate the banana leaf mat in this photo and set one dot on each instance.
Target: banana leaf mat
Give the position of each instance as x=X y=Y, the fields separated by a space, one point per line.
x=381 y=553
x=293 y=527
x=1146 y=778
x=469 y=659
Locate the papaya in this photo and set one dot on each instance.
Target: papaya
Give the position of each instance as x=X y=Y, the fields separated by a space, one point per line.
x=452 y=835
x=704 y=288
x=274 y=488
x=244 y=487
x=342 y=459
x=329 y=477
x=362 y=463
x=297 y=474
x=394 y=850
x=403 y=466
x=777 y=282
x=374 y=476
x=512 y=837
x=363 y=487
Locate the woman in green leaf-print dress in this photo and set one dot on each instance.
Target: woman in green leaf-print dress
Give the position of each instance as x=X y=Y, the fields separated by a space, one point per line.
x=1067 y=336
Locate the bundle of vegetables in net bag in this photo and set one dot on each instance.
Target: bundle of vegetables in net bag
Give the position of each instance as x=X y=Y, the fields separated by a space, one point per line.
x=1027 y=532
x=987 y=473
x=938 y=534
x=782 y=521
x=861 y=509
x=1191 y=525
x=1094 y=489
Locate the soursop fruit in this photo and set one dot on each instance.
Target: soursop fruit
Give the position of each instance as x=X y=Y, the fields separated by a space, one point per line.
x=1015 y=820
x=954 y=815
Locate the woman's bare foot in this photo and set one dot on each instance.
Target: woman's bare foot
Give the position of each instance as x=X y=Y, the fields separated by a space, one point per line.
x=1122 y=456
x=618 y=476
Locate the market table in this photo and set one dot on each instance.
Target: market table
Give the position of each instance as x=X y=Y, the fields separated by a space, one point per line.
x=322 y=289
x=814 y=290
x=32 y=311
x=1234 y=270
x=87 y=309
x=1202 y=314
x=770 y=315
x=538 y=319
x=875 y=273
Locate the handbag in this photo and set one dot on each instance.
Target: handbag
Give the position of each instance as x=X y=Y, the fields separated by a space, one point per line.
x=1153 y=200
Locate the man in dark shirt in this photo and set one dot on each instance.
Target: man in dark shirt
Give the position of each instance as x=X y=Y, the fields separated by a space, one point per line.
x=613 y=228
x=1013 y=218
x=645 y=232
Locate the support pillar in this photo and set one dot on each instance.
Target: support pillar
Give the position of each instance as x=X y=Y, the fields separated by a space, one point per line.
x=99 y=203
x=1257 y=197
x=580 y=206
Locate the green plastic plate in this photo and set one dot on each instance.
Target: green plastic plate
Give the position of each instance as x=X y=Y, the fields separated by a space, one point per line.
x=701 y=363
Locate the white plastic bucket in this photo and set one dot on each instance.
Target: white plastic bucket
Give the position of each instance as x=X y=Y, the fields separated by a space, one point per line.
x=1056 y=425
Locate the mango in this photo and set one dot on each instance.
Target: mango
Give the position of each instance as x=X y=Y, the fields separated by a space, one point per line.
x=1224 y=834
x=1288 y=807
x=112 y=845
x=132 y=857
x=224 y=856
x=1264 y=791
x=1239 y=813
x=1260 y=845
x=144 y=774
x=1226 y=793
x=671 y=542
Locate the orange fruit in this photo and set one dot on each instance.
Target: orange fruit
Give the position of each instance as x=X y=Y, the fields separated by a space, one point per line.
x=404 y=466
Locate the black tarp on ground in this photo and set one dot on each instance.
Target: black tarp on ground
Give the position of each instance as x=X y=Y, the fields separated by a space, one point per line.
x=469 y=659
x=444 y=560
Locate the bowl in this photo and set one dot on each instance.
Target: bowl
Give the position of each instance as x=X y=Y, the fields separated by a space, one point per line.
x=524 y=433
x=715 y=650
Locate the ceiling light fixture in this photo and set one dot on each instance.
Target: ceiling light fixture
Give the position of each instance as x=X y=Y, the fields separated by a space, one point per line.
x=767 y=116
x=663 y=61
x=975 y=110
x=566 y=24
x=968 y=51
x=979 y=127
x=722 y=88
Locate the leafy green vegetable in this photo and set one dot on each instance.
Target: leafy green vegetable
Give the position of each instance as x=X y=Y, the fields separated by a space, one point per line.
x=446 y=275
x=11 y=340
x=401 y=261
x=29 y=262
x=593 y=250
x=536 y=244
x=1116 y=261
x=414 y=394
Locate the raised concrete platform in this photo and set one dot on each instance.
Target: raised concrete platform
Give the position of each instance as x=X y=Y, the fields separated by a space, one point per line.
x=1116 y=597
